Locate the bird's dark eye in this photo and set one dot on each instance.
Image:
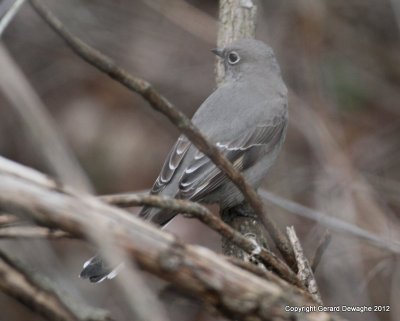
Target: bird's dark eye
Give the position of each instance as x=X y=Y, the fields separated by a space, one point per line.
x=233 y=58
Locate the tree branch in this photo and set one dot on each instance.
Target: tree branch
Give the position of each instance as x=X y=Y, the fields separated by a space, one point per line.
x=8 y=219
x=28 y=232
x=243 y=219
x=132 y=199
x=305 y=273
x=137 y=300
x=198 y=211
x=233 y=292
x=161 y=104
x=333 y=223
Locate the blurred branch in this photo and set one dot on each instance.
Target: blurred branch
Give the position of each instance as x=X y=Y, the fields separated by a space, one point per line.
x=198 y=271
x=356 y=195
x=138 y=301
x=28 y=232
x=7 y=219
x=103 y=240
x=39 y=294
x=39 y=125
x=319 y=252
x=9 y=15
x=161 y=104
x=333 y=223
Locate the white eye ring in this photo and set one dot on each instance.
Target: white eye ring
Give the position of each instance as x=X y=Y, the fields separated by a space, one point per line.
x=233 y=57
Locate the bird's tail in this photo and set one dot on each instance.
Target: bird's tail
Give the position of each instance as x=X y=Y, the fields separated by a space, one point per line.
x=97 y=270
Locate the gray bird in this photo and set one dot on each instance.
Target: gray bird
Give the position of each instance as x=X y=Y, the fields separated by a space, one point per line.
x=246 y=117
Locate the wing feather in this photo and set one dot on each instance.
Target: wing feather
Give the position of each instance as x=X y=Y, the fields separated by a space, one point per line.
x=172 y=162
x=202 y=177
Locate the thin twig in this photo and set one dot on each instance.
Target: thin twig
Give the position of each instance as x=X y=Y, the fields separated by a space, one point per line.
x=304 y=270
x=40 y=295
x=161 y=201
x=320 y=250
x=332 y=223
x=9 y=15
x=180 y=120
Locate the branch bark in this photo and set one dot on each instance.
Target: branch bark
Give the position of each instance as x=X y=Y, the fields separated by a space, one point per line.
x=182 y=122
x=305 y=273
x=233 y=292
x=243 y=219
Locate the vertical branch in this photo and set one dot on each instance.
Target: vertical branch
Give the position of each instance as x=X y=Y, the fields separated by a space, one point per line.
x=237 y=20
x=242 y=218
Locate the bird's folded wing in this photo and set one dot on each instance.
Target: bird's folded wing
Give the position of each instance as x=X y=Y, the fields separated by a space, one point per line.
x=202 y=177
x=174 y=159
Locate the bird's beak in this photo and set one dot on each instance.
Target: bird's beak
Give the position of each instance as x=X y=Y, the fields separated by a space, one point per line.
x=219 y=52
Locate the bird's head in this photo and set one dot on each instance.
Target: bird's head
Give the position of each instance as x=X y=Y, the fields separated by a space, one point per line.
x=248 y=57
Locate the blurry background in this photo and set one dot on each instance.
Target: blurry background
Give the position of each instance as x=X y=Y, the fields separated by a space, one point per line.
x=341 y=61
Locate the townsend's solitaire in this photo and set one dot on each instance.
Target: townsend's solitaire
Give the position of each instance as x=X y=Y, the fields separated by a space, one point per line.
x=246 y=117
